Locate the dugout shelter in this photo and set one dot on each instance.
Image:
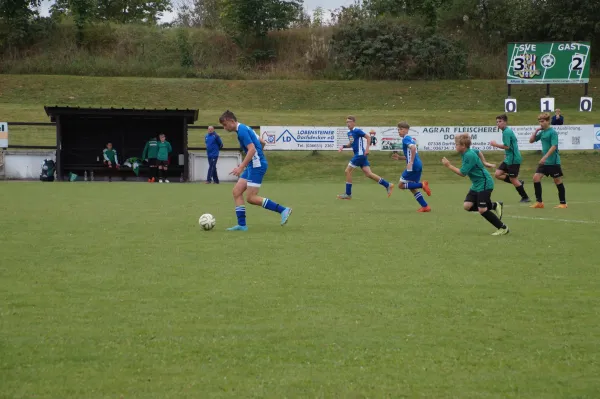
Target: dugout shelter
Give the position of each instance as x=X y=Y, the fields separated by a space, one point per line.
x=82 y=133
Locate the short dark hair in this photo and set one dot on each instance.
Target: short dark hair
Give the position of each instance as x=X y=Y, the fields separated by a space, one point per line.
x=227 y=116
x=351 y=117
x=403 y=125
x=502 y=117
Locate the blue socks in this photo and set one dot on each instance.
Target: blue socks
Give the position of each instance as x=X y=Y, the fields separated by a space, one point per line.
x=384 y=183
x=240 y=212
x=412 y=185
x=419 y=198
x=272 y=206
x=348 y=188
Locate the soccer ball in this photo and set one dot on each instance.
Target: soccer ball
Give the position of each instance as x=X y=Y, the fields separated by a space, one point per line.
x=207 y=221
x=548 y=61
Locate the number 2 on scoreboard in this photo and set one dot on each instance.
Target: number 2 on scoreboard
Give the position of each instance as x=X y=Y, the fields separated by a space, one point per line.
x=577 y=62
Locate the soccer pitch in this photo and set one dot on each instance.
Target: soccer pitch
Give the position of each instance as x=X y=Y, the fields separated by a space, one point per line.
x=113 y=290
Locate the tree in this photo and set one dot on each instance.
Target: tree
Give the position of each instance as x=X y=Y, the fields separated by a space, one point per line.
x=17 y=16
x=257 y=17
x=121 y=11
x=204 y=13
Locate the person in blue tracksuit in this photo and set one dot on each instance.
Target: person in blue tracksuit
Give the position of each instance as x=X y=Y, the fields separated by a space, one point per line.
x=213 y=146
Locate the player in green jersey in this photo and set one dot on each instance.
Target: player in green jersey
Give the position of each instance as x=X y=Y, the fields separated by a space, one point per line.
x=110 y=159
x=549 y=165
x=508 y=171
x=149 y=155
x=164 y=149
x=479 y=198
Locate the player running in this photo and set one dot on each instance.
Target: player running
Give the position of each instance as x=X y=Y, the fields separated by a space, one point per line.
x=549 y=165
x=480 y=194
x=251 y=172
x=508 y=171
x=411 y=176
x=359 y=142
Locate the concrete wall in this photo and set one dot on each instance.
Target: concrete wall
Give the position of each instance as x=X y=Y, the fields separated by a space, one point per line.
x=226 y=163
x=25 y=164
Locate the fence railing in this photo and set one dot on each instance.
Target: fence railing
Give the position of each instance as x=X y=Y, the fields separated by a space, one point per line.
x=49 y=147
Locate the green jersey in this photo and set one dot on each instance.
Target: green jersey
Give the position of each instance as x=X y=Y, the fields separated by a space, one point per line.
x=549 y=137
x=164 y=148
x=512 y=154
x=150 y=150
x=111 y=156
x=473 y=167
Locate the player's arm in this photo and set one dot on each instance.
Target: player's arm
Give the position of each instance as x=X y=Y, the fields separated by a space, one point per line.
x=349 y=145
x=251 y=151
x=413 y=154
x=263 y=143
x=487 y=164
x=105 y=156
x=535 y=136
x=452 y=167
x=145 y=152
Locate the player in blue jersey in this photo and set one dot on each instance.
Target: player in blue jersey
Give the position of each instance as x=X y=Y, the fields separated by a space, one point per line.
x=411 y=177
x=251 y=172
x=359 y=142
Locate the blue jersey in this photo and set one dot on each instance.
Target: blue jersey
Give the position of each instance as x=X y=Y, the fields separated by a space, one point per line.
x=246 y=136
x=359 y=141
x=407 y=141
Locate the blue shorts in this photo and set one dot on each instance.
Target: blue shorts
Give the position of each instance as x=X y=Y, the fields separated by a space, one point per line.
x=359 y=161
x=254 y=176
x=414 y=176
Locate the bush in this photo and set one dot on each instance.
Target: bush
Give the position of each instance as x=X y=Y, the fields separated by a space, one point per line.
x=388 y=49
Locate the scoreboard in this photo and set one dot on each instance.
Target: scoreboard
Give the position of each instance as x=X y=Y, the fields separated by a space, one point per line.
x=548 y=63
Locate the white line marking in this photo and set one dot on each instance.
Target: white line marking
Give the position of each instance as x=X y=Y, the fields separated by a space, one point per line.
x=546 y=69
x=569 y=202
x=554 y=220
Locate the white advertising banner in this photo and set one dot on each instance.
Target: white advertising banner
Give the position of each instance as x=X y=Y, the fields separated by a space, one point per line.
x=428 y=138
x=3 y=135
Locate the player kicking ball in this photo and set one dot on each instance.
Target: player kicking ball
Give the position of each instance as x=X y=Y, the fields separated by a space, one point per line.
x=549 y=165
x=508 y=171
x=411 y=176
x=359 y=142
x=251 y=172
x=480 y=194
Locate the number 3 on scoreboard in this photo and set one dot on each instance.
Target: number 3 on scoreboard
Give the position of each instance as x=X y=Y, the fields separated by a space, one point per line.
x=577 y=62
x=518 y=63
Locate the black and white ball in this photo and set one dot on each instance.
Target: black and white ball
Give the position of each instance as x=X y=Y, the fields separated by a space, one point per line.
x=207 y=221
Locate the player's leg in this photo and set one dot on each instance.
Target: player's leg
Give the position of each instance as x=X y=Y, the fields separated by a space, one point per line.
x=513 y=175
x=470 y=202
x=537 y=186
x=366 y=168
x=215 y=176
x=502 y=173
x=412 y=180
x=238 y=198
x=254 y=183
x=348 y=194
x=165 y=169
x=557 y=175
x=484 y=205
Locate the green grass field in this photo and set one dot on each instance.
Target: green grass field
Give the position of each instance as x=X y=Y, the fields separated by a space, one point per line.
x=113 y=291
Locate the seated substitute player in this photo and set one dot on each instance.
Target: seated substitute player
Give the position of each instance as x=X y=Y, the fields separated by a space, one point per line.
x=411 y=176
x=110 y=159
x=251 y=172
x=508 y=171
x=164 y=149
x=479 y=196
x=359 y=142
x=549 y=165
